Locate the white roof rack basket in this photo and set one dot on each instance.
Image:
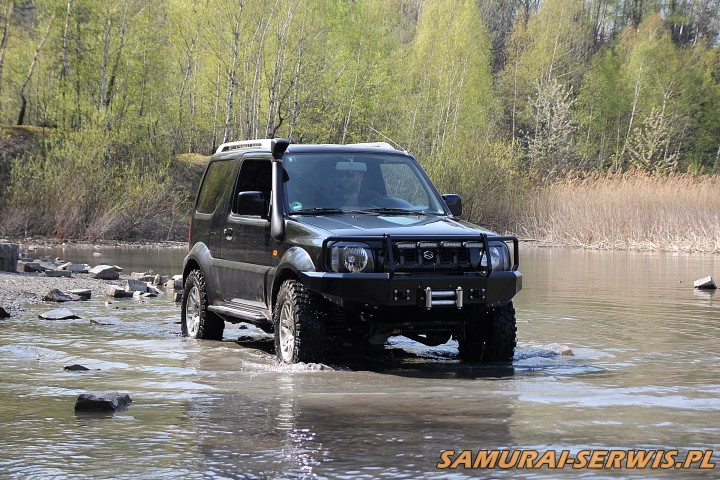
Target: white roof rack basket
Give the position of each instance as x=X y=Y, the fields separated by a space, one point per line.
x=373 y=144
x=259 y=143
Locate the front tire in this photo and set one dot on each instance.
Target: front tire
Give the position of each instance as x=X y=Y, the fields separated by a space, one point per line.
x=491 y=338
x=196 y=320
x=299 y=332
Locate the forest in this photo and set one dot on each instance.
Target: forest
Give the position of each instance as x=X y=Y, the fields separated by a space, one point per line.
x=590 y=122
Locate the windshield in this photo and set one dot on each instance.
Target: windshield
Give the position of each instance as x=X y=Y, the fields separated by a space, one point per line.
x=336 y=183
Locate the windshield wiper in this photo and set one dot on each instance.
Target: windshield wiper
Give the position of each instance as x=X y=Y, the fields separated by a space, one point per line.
x=329 y=211
x=318 y=211
x=400 y=211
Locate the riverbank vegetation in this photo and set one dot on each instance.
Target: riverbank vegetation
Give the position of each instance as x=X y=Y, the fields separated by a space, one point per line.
x=499 y=100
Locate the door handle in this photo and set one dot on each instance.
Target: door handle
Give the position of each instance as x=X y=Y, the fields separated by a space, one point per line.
x=228 y=232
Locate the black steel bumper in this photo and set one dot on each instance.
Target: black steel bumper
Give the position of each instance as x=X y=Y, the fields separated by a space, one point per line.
x=427 y=291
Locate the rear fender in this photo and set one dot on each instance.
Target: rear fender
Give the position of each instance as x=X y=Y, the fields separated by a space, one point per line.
x=199 y=257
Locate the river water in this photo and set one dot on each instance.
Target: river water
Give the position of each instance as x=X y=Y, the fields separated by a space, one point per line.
x=644 y=375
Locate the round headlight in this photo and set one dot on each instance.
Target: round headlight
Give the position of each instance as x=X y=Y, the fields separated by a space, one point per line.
x=495 y=257
x=499 y=256
x=351 y=257
x=355 y=258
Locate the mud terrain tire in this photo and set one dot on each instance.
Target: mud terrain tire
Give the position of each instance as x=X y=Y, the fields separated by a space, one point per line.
x=299 y=332
x=491 y=338
x=196 y=320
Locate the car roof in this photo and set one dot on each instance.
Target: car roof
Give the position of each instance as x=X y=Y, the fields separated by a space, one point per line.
x=235 y=149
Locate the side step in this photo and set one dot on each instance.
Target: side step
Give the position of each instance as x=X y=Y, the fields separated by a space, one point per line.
x=241 y=313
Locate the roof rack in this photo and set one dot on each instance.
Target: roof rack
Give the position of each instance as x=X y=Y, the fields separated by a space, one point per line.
x=261 y=143
x=373 y=144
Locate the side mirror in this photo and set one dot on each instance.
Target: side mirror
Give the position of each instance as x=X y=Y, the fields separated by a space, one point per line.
x=454 y=203
x=252 y=203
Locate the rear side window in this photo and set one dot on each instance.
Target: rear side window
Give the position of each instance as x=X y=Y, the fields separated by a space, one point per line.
x=211 y=191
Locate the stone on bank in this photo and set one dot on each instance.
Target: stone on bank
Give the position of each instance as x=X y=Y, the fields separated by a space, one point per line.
x=9 y=255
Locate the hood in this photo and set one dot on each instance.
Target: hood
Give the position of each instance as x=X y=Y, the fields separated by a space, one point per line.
x=404 y=225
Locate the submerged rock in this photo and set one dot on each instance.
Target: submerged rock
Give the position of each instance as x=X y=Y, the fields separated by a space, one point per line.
x=59 y=314
x=559 y=349
x=75 y=368
x=102 y=401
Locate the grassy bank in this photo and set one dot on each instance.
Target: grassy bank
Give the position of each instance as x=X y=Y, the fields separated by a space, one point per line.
x=91 y=185
x=628 y=210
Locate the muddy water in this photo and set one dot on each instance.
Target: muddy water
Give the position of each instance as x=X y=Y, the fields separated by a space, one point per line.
x=645 y=374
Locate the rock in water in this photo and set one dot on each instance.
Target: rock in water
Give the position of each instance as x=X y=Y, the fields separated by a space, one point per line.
x=59 y=314
x=75 y=368
x=706 y=283
x=4 y=313
x=101 y=401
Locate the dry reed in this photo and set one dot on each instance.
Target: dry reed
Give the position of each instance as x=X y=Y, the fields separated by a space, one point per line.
x=631 y=210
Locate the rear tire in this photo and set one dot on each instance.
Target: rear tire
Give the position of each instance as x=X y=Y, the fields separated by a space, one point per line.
x=299 y=332
x=196 y=320
x=491 y=338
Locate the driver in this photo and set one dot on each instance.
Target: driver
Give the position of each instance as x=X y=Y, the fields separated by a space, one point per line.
x=348 y=183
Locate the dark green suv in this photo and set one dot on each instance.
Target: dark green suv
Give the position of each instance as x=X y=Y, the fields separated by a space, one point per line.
x=343 y=246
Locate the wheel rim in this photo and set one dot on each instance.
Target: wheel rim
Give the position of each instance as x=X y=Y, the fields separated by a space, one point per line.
x=287 y=333
x=192 y=312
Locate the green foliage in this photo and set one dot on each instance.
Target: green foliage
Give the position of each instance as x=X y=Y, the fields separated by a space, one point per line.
x=550 y=146
x=649 y=144
x=84 y=187
x=488 y=95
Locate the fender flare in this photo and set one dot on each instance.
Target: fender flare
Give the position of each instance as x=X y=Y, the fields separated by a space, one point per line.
x=293 y=261
x=200 y=257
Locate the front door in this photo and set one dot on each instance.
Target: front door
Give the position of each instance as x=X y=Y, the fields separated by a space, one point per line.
x=246 y=241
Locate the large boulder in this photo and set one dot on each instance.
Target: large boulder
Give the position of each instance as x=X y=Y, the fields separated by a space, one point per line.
x=136 y=286
x=116 y=291
x=9 y=254
x=101 y=401
x=83 y=293
x=105 y=272
x=56 y=295
x=31 y=267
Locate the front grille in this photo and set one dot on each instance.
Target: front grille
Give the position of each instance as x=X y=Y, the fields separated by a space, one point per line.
x=435 y=257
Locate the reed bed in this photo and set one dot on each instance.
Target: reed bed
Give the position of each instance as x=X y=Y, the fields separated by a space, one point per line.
x=632 y=210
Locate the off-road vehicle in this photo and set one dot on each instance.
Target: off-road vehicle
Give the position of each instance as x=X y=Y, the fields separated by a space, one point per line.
x=343 y=246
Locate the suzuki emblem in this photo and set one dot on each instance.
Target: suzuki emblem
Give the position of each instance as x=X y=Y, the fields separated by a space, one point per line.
x=428 y=255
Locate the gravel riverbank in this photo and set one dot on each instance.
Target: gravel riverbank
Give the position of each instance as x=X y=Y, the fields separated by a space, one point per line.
x=17 y=289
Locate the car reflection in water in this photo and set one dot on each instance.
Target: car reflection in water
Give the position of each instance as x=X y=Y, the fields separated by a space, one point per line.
x=387 y=415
